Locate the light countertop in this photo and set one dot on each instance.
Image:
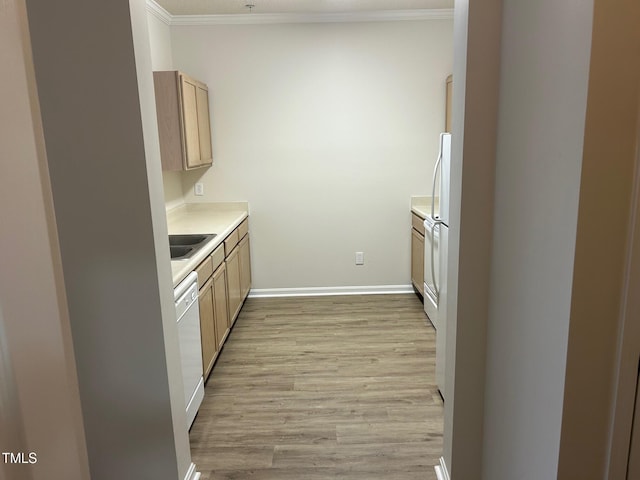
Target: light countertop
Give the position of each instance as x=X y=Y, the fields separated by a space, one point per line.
x=421 y=206
x=219 y=218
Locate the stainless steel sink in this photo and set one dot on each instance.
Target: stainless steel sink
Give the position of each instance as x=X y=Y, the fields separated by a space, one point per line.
x=190 y=239
x=179 y=252
x=183 y=247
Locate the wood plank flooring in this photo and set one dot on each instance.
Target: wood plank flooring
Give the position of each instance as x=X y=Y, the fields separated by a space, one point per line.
x=319 y=388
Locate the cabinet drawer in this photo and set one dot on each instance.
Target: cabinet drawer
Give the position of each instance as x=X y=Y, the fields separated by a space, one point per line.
x=204 y=271
x=243 y=228
x=417 y=223
x=217 y=257
x=230 y=242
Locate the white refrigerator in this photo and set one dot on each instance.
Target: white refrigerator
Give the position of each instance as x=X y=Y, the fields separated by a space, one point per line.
x=436 y=254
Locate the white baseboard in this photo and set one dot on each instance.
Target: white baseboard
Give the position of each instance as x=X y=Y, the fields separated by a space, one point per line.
x=320 y=291
x=441 y=470
x=191 y=473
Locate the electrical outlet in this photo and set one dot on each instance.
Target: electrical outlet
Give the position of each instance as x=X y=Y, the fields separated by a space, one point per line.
x=199 y=189
x=359 y=258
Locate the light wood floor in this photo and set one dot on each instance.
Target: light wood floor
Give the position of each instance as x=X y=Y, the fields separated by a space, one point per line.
x=320 y=388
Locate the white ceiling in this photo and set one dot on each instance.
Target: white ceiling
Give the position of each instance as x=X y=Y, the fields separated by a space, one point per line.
x=213 y=7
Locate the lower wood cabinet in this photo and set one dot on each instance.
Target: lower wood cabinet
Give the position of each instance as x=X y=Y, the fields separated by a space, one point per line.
x=238 y=263
x=225 y=283
x=214 y=317
x=245 y=266
x=207 y=327
x=417 y=253
x=417 y=260
x=221 y=312
x=234 y=294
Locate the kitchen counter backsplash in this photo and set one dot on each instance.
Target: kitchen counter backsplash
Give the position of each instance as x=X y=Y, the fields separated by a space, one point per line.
x=220 y=218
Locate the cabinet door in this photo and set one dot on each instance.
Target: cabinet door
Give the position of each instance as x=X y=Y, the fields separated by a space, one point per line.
x=245 y=267
x=417 y=260
x=190 y=123
x=204 y=126
x=233 y=284
x=449 y=104
x=220 y=304
x=207 y=328
x=168 y=111
x=184 y=127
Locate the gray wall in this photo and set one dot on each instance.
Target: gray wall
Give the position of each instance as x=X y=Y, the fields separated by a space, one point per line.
x=144 y=68
x=113 y=241
x=39 y=399
x=567 y=141
x=475 y=99
x=543 y=94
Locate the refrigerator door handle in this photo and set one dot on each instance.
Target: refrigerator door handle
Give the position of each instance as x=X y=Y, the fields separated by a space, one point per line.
x=435 y=175
x=436 y=223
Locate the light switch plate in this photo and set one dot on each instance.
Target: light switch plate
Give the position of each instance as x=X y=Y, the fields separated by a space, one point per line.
x=359 y=258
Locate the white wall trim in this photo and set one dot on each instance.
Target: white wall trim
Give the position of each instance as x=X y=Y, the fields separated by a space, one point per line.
x=274 y=18
x=441 y=470
x=191 y=473
x=159 y=12
x=323 y=291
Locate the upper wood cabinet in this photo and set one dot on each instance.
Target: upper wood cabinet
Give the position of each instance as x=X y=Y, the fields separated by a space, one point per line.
x=448 y=109
x=184 y=127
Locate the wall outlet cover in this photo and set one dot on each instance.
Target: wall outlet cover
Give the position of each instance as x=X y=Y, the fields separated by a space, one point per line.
x=359 y=258
x=199 y=189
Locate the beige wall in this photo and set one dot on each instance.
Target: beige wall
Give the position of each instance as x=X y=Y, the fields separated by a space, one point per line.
x=173 y=194
x=327 y=130
x=159 y=42
x=39 y=400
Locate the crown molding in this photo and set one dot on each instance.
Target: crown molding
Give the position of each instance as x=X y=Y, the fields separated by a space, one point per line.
x=159 y=12
x=274 y=18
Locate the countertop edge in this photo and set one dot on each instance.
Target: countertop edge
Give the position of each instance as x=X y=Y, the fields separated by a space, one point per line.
x=419 y=212
x=190 y=264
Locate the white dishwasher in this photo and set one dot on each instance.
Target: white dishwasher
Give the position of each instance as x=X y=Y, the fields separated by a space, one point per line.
x=185 y=297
